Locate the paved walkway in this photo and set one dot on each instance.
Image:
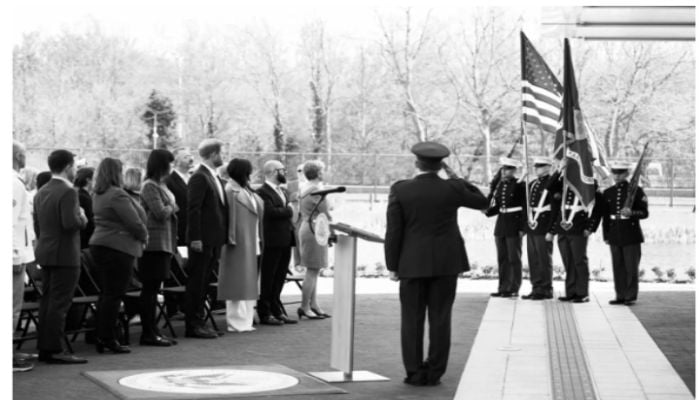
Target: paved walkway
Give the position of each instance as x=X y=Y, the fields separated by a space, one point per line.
x=552 y=350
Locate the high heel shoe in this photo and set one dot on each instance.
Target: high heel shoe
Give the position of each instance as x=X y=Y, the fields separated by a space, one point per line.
x=302 y=313
x=320 y=314
x=112 y=346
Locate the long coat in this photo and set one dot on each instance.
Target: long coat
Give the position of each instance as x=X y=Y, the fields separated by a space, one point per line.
x=238 y=269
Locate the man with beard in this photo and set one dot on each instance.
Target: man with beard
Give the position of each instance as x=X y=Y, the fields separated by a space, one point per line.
x=206 y=233
x=278 y=236
x=58 y=222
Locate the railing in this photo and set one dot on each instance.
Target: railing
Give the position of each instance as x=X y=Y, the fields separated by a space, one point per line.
x=671 y=178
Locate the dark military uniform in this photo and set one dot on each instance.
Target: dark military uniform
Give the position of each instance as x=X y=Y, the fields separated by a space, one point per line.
x=508 y=203
x=624 y=235
x=539 y=250
x=572 y=242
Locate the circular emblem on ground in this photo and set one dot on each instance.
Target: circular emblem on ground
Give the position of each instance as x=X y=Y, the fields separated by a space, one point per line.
x=209 y=381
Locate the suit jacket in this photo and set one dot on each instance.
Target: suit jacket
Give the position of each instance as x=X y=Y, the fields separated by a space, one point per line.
x=85 y=202
x=509 y=193
x=57 y=225
x=278 y=230
x=120 y=222
x=206 y=212
x=161 y=218
x=623 y=232
x=422 y=235
x=178 y=187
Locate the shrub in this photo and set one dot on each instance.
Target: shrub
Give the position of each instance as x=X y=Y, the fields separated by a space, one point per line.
x=489 y=271
x=671 y=273
x=596 y=272
x=659 y=274
x=526 y=271
x=691 y=273
x=558 y=273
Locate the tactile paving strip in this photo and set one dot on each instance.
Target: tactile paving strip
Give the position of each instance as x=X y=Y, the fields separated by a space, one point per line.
x=571 y=379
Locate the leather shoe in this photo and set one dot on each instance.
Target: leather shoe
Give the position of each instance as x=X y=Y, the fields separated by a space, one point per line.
x=201 y=333
x=286 y=319
x=566 y=298
x=270 y=320
x=509 y=294
x=630 y=302
x=496 y=294
x=580 y=299
x=61 y=359
x=616 y=302
x=157 y=341
x=528 y=296
x=539 y=296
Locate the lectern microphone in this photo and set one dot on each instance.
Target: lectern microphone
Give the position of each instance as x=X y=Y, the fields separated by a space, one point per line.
x=339 y=189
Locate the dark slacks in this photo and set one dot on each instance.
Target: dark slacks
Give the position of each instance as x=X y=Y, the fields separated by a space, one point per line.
x=625 y=261
x=59 y=283
x=510 y=267
x=273 y=271
x=436 y=296
x=114 y=269
x=573 y=250
x=539 y=257
x=200 y=269
x=154 y=267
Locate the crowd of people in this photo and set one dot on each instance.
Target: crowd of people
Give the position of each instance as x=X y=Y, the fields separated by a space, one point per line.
x=133 y=227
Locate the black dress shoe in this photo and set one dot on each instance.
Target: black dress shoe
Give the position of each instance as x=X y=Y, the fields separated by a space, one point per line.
x=496 y=294
x=320 y=313
x=566 y=298
x=270 y=320
x=616 y=302
x=630 y=302
x=201 y=333
x=286 y=319
x=111 y=345
x=527 y=296
x=509 y=294
x=157 y=341
x=538 y=296
x=580 y=299
x=61 y=359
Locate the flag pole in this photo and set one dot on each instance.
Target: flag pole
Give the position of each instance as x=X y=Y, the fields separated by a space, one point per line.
x=523 y=133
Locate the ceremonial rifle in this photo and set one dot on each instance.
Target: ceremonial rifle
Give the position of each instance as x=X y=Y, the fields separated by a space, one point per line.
x=634 y=181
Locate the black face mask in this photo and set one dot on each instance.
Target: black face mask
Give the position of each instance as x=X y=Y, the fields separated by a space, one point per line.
x=281 y=178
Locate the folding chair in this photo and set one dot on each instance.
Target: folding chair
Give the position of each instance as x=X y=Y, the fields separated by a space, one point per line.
x=177 y=289
x=298 y=279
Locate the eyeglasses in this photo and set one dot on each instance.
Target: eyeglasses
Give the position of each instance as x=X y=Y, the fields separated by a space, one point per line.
x=281 y=169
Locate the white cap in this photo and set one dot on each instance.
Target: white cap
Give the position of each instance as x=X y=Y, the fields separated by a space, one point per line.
x=510 y=162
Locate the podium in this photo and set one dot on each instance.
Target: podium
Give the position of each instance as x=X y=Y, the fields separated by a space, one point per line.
x=343 y=328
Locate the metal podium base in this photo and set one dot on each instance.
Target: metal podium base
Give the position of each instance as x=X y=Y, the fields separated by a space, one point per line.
x=354 y=376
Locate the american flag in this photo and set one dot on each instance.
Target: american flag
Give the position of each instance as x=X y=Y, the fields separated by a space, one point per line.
x=542 y=92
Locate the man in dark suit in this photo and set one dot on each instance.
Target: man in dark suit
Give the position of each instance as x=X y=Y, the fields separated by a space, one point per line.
x=206 y=233
x=539 y=250
x=508 y=202
x=177 y=183
x=58 y=222
x=623 y=233
x=425 y=251
x=278 y=235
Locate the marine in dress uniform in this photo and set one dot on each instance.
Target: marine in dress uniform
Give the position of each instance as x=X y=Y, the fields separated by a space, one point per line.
x=573 y=242
x=539 y=250
x=623 y=233
x=508 y=202
x=425 y=251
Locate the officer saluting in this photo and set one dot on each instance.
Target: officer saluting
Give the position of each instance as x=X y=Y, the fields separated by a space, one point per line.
x=539 y=250
x=425 y=251
x=622 y=231
x=508 y=203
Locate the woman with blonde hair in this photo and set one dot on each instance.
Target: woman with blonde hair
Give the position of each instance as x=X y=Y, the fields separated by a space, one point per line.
x=313 y=256
x=132 y=182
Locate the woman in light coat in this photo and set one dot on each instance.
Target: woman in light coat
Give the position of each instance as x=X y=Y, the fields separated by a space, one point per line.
x=238 y=268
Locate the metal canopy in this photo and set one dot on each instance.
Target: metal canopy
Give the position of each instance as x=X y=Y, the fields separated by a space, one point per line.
x=620 y=23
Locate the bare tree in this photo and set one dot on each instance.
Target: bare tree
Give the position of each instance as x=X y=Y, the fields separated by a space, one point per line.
x=401 y=54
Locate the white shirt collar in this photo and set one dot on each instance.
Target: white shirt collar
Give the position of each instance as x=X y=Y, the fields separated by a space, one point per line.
x=69 y=183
